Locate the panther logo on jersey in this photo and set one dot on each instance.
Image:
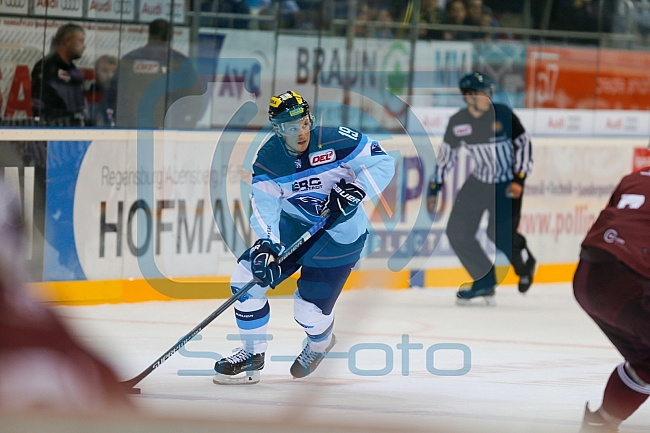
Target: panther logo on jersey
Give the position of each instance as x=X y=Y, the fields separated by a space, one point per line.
x=311 y=206
x=375 y=149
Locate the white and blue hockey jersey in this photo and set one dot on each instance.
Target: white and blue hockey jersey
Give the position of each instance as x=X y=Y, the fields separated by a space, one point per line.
x=299 y=185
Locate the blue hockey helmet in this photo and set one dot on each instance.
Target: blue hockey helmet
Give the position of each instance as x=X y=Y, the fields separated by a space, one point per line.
x=286 y=110
x=478 y=82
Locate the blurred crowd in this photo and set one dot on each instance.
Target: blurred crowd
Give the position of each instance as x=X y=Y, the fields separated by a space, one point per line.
x=390 y=18
x=61 y=96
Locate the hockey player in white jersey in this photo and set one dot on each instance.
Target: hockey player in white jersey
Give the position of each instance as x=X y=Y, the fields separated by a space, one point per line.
x=297 y=174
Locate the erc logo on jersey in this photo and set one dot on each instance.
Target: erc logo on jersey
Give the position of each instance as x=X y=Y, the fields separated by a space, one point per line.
x=463 y=130
x=319 y=158
x=307 y=184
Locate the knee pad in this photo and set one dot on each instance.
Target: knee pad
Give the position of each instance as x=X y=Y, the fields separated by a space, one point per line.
x=242 y=276
x=310 y=317
x=632 y=380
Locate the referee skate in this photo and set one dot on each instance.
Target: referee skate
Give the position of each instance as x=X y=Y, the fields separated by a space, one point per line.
x=484 y=296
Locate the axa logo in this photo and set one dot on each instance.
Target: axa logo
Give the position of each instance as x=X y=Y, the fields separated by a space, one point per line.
x=319 y=158
x=557 y=124
x=463 y=130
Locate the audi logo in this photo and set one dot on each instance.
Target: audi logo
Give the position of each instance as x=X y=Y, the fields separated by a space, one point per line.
x=15 y=3
x=124 y=6
x=70 y=5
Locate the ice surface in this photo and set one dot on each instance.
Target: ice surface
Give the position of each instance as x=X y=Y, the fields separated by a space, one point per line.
x=533 y=362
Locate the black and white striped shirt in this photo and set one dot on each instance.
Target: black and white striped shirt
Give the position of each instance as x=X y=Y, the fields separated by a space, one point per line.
x=497 y=141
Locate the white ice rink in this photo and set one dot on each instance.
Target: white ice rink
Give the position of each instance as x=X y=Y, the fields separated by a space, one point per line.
x=533 y=362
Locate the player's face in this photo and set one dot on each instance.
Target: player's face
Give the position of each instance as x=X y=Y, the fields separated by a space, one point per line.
x=297 y=135
x=477 y=102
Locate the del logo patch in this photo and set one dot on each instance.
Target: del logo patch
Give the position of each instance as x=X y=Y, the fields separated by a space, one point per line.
x=319 y=158
x=146 y=67
x=463 y=130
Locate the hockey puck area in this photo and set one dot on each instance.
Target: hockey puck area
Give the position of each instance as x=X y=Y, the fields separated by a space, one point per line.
x=132 y=390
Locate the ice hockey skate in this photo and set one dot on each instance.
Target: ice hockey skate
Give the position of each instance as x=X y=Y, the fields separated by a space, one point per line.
x=526 y=280
x=483 y=296
x=593 y=422
x=240 y=368
x=307 y=361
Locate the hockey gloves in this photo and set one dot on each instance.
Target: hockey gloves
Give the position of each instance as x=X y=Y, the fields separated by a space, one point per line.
x=343 y=201
x=264 y=261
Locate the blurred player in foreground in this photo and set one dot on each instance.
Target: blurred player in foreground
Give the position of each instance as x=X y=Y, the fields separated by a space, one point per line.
x=298 y=173
x=612 y=284
x=42 y=367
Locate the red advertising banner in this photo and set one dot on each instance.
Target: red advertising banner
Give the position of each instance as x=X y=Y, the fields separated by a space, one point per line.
x=641 y=158
x=587 y=78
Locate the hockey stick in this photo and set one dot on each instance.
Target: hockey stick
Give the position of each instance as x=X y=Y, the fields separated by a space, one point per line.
x=129 y=384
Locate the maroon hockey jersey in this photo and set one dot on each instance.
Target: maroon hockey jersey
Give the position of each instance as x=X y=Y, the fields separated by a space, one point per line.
x=623 y=227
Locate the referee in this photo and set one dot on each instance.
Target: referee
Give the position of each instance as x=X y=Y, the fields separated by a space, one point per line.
x=501 y=151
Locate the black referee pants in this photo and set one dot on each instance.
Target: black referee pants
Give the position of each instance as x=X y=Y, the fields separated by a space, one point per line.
x=473 y=199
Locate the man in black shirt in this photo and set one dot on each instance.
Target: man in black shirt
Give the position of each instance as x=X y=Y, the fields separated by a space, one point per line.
x=502 y=154
x=140 y=68
x=57 y=84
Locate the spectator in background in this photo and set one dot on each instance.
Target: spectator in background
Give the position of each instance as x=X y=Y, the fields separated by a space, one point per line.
x=43 y=368
x=430 y=13
x=582 y=16
x=488 y=20
x=220 y=7
x=383 y=31
x=232 y=7
x=510 y=13
x=141 y=68
x=255 y=7
x=57 y=84
x=455 y=13
x=363 y=14
x=100 y=96
x=479 y=15
x=641 y=16
x=289 y=13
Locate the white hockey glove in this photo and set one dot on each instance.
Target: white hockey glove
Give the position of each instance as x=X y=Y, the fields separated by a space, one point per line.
x=264 y=261
x=343 y=201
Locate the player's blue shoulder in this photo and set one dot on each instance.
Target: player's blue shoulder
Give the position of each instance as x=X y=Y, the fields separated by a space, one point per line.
x=343 y=140
x=273 y=159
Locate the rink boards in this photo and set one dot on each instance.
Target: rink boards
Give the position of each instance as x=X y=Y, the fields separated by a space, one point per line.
x=140 y=215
